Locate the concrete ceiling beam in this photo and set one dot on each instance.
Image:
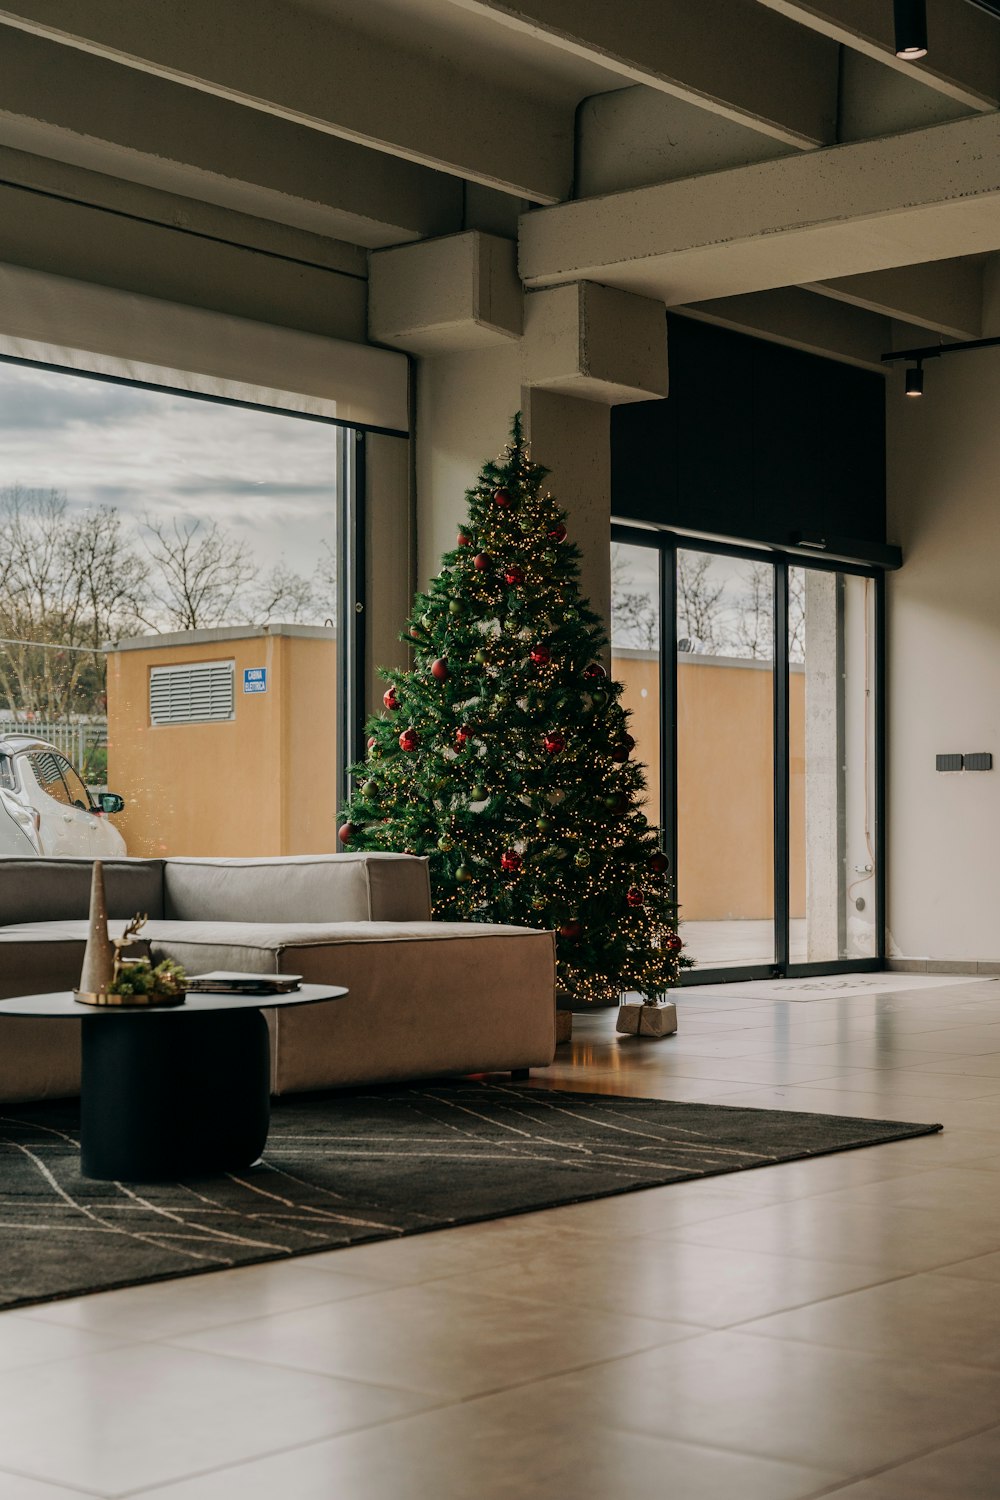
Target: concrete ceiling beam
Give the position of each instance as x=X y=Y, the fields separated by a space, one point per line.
x=945 y=296
x=928 y=195
x=58 y=102
x=775 y=77
x=963 y=60
x=315 y=70
x=797 y=318
x=446 y=295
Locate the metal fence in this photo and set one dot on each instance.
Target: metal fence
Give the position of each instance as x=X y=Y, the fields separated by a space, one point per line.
x=81 y=742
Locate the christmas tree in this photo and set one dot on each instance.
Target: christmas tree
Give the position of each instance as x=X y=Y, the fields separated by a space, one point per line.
x=504 y=754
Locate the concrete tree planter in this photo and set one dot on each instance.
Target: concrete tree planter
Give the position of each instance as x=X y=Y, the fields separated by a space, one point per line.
x=656 y=1018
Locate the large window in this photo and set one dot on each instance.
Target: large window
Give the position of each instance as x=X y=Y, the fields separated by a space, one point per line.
x=169 y=605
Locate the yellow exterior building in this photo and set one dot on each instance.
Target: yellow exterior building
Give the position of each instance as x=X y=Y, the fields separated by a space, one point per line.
x=259 y=777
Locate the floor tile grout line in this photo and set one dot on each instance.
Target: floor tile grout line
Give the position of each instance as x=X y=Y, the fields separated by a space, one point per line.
x=913 y=1458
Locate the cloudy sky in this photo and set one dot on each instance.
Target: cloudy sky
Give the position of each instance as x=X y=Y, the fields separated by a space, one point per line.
x=269 y=480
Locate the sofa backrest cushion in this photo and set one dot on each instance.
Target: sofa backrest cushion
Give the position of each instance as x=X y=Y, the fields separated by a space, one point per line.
x=58 y=890
x=298 y=888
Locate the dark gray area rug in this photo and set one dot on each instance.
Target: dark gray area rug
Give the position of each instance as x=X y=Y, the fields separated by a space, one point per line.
x=370 y=1164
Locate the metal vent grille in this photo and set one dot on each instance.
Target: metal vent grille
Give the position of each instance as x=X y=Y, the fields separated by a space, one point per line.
x=200 y=693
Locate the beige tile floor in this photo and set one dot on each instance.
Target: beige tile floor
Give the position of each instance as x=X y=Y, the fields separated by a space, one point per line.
x=826 y=1327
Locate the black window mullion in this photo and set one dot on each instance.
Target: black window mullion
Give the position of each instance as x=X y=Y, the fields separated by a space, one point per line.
x=668 y=703
x=879 y=689
x=350 y=606
x=781 y=768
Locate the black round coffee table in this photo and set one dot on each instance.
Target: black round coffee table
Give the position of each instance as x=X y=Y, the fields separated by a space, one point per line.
x=175 y=1090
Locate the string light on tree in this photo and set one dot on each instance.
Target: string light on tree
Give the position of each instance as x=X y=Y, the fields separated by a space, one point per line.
x=514 y=774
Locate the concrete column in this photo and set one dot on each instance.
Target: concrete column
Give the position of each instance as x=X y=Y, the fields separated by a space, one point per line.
x=572 y=437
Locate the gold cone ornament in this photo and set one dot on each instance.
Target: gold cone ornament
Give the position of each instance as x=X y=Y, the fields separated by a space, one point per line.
x=99 y=955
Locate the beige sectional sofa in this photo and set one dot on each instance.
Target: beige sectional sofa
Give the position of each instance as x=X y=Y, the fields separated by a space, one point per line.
x=426 y=997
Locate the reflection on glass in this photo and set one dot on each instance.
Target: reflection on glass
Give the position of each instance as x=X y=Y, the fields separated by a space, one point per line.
x=832 y=858
x=635 y=654
x=199 y=540
x=725 y=758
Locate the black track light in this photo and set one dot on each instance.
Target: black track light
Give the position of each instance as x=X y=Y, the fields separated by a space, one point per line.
x=915 y=379
x=911 y=29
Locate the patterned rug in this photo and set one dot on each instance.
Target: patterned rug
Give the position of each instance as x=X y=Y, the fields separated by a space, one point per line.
x=370 y=1164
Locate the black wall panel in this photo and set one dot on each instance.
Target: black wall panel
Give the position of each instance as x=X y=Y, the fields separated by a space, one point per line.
x=755 y=441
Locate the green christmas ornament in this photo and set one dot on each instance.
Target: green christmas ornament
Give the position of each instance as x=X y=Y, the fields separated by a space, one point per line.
x=426 y=621
x=455 y=607
x=477 y=794
x=479 y=657
x=581 y=859
x=369 y=788
x=599 y=698
x=446 y=843
x=464 y=874
x=544 y=825
x=500 y=700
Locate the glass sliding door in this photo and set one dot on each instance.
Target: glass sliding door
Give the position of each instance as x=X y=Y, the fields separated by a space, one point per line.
x=753 y=682
x=725 y=757
x=832 y=845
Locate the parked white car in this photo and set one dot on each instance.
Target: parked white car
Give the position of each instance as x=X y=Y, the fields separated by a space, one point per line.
x=44 y=799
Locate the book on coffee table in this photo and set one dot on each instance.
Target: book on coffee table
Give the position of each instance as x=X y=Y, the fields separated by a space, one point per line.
x=227 y=982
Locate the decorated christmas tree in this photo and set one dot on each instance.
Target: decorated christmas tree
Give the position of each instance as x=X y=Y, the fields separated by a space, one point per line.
x=504 y=754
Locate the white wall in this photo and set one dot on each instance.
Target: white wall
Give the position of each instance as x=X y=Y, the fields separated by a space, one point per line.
x=944 y=661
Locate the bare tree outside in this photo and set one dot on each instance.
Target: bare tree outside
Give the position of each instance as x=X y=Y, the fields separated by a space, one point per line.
x=66 y=579
x=700 y=609
x=199 y=574
x=635 y=615
x=753 y=624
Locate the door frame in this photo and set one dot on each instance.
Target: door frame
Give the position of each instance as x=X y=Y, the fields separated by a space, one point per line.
x=666 y=544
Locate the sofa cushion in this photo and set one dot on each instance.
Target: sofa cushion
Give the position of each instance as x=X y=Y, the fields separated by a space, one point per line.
x=298 y=888
x=45 y=890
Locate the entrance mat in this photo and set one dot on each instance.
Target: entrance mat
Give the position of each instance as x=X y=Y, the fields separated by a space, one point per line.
x=370 y=1164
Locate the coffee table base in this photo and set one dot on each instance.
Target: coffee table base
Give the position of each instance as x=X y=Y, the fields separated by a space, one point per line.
x=164 y=1101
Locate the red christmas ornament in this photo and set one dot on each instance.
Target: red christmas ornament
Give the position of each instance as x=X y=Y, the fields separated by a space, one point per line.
x=514 y=574
x=659 y=863
x=594 y=671
x=503 y=498
x=555 y=743
x=510 y=860
x=558 y=533
x=409 y=739
x=628 y=742
x=481 y=561
x=439 y=669
x=345 y=832
x=571 y=930
x=674 y=944
x=389 y=698
x=462 y=733
x=541 y=656
x=619 y=754
x=635 y=896
x=463 y=540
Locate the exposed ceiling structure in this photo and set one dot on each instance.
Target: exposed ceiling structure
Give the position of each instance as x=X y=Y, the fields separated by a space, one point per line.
x=769 y=164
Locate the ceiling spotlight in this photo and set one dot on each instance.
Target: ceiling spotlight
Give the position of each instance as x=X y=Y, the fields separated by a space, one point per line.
x=911 y=29
x=915 y=379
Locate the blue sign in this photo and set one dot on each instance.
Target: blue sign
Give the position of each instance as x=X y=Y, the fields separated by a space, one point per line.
x=255 y=679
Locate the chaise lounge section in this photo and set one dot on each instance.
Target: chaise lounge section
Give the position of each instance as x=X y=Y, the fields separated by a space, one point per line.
x=426 y=998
